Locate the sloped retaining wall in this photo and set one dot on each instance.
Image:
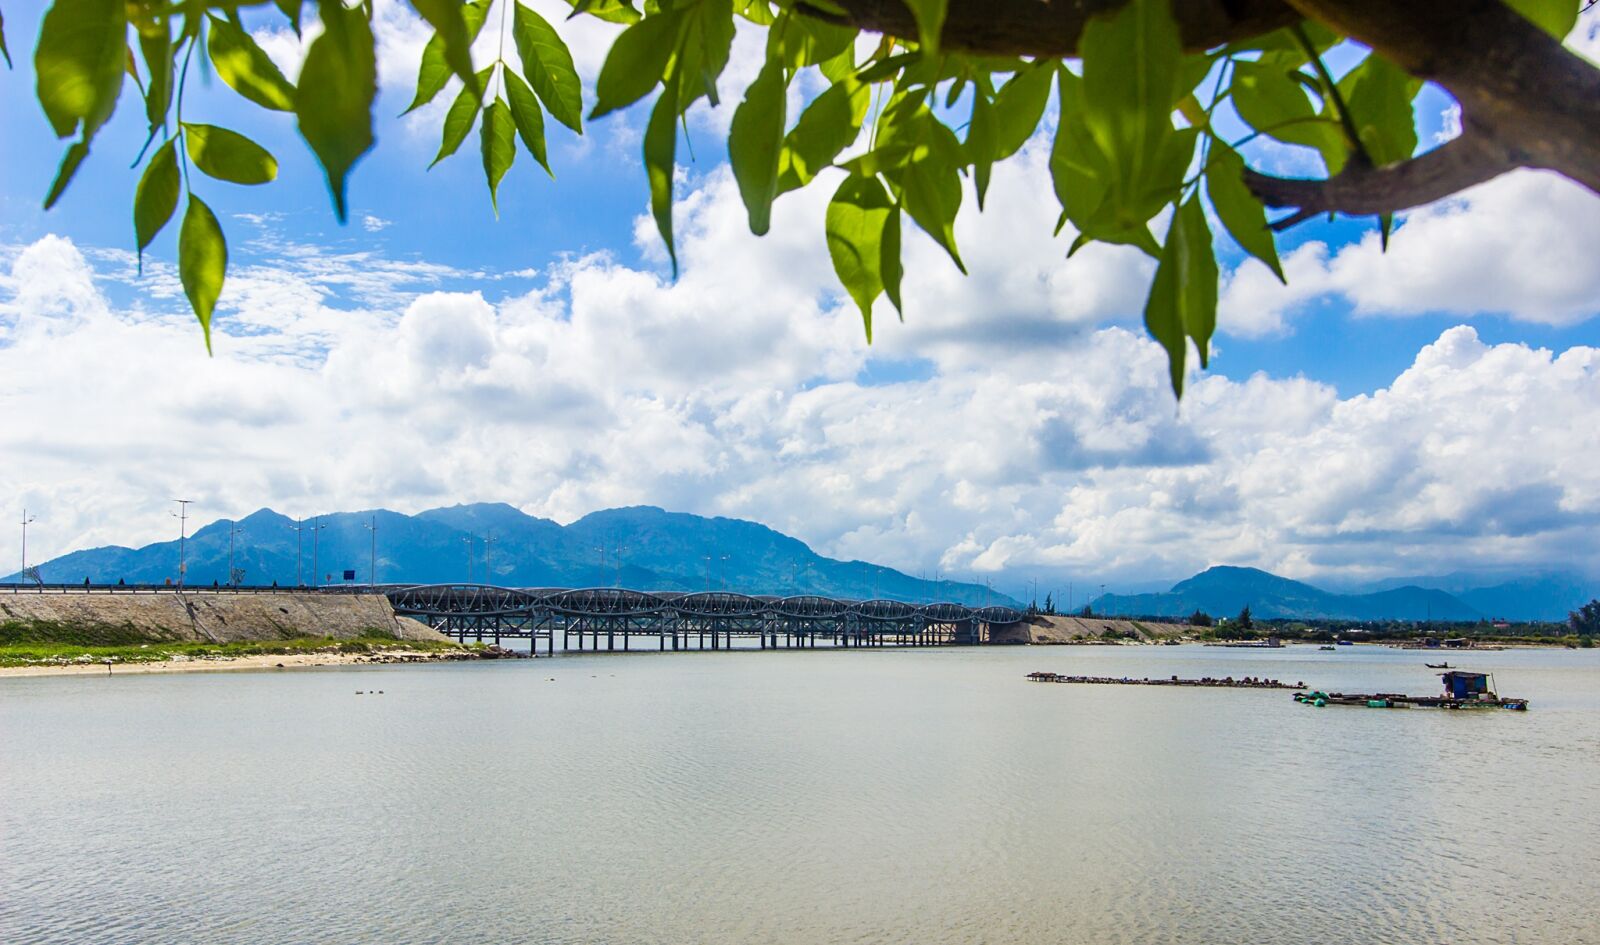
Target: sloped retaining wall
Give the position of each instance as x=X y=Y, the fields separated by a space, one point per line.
x=218 y=617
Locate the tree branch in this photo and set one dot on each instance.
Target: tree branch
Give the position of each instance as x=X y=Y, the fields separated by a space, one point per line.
x=1363 y=190
x=1526 y=100
x=1052 y=27
x=1520 y=90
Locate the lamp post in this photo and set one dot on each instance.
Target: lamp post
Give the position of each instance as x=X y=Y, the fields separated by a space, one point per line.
x=467 y=541
x=299 y=527
x=488 y=539
x=722 y=572
x=233 y=576
x=316 y=543
x=25 y=522
x=372 y=567
x=182 y=515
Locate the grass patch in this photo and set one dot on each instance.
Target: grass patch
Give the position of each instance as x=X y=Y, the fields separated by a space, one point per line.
x=373 y=641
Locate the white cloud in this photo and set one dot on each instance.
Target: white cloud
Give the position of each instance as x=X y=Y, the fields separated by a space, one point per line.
x=1520 y=246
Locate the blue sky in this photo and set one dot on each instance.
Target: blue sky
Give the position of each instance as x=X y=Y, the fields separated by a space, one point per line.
x=557 y=327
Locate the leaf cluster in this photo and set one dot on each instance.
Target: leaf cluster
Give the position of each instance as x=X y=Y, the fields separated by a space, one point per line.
x=1145 y=150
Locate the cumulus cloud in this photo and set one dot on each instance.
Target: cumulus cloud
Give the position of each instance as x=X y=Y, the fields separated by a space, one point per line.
x=1520 y=246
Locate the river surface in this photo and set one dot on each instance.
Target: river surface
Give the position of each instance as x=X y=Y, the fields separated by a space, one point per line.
x=927 y=796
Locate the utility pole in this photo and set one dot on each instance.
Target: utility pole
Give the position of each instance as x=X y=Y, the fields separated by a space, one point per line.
x=708 y=572
x=1102 y=590
x=316 y=543
x=722 y=572
x=299 y=529
x=467 y=541
x=488 y=539
x=182 y=515
x=372 y=568
x=233 y=576
x=25 y=522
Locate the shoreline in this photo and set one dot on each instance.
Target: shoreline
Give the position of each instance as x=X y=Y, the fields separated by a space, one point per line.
x=247 y=662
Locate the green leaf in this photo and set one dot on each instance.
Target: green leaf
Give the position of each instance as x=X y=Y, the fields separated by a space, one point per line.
x=246 y=68
x=156 y=197
x=702 y=53
x=529 y=118
x=1131 y=60
x=892 y=270
x=1272 y=102
x=1238 y=209
x=228 y=155
x=1556 y=17
x=499 y=142
x=636 y=62
x=78 y=64
x=1183 y=297
x=612 y=11
x=1018 y=108
x=291 y=9
x=69 y=166
x=458 y=121
x=831 y=123
x=202 y=261
x=338 y=83
x=754 y=141
x=156 y=47
x=980 y=144
x=929 y=181
x=1378 y=94
x=799 y=41
x=929 y=15
x=450 y=24
x=1197 y=283
x=434 y=72
x=3 y=50
x=660 y=156
x=856 y=220
x=548 y=66
x=1078 y=170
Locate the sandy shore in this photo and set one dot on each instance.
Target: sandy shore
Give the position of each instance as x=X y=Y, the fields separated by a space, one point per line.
x=235 y=663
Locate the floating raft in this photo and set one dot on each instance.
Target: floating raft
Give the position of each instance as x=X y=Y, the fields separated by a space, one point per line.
x=1395 y=700
x=1209 y=682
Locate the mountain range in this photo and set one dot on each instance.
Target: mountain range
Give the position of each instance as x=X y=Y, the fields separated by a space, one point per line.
x=646 y=548
x=1224 y=591
x=642 y=547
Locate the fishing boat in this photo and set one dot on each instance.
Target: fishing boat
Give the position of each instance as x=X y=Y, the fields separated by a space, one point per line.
x=1328 y=648
x=1438 y=665
x=1462 y=690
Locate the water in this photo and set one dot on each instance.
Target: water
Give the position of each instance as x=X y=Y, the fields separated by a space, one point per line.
x=864 y=796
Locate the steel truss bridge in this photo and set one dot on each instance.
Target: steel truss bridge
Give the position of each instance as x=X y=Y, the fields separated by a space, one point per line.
x=700 y=620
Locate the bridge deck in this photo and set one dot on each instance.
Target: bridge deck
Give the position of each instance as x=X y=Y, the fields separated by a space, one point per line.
x=701 y=620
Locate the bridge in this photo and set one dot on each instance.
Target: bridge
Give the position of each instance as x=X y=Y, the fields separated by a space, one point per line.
x=699 y=620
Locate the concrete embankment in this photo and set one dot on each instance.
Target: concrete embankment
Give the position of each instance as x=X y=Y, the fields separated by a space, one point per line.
x=1060 y=629
x=101 y=618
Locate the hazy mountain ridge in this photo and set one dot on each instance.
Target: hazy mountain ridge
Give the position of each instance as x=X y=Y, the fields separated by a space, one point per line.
x=1223 y=591
x=641 y=547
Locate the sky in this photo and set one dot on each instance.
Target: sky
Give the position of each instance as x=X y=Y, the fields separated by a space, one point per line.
x=1428 y=409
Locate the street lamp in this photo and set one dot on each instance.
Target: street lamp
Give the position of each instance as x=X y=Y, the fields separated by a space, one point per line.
x=316 y=542
x=488 y=539
x=299 y=527
x=25 y=522
x=467 y=541
x=182 y=515
x=372 y=568
x=233 y=575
